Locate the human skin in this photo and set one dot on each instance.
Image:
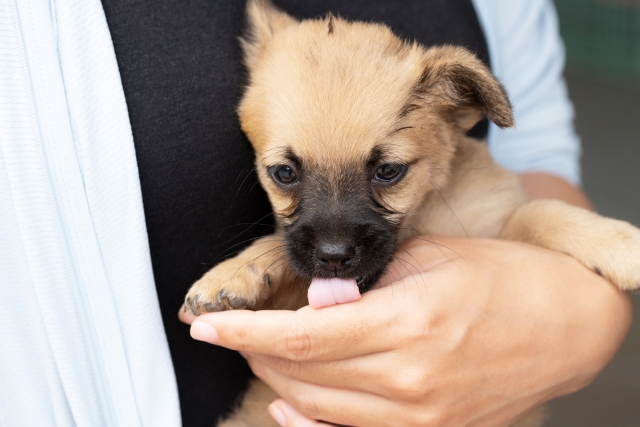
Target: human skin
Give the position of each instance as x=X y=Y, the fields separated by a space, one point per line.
x=474 y=337
x=544 y=186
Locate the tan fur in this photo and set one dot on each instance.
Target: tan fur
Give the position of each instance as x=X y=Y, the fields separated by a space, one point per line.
x=332 y=91
x=257 y=278
x=605 y=245
x=252 y=412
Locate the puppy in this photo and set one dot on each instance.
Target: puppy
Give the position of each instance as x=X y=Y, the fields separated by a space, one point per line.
x=360 y=142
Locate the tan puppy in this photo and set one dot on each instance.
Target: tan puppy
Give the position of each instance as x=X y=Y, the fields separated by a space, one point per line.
x=360 y=144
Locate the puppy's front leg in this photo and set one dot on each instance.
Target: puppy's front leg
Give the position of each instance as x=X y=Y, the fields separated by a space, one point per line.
x=245 y=281
x=608 y=246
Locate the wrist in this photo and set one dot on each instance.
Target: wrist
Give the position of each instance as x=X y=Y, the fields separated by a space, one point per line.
x=602 y=319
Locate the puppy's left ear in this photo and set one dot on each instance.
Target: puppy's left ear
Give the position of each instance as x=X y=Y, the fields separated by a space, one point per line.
x=462 y=87
x=264 y=20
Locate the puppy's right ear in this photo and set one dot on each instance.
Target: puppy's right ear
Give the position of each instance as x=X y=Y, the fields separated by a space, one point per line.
x=263 y=21
x=463 y=88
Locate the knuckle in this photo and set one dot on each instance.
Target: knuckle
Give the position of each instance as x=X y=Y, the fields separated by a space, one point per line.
x=242 y=339
x=410 y=384
x=297 y=343
x=288 y=367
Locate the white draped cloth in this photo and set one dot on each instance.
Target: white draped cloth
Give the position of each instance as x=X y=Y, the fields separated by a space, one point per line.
x=81 y=336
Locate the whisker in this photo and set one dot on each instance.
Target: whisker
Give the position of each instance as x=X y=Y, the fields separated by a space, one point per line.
x=454 y=214
x=247 y=223
x=412 y=257
x=233 y=253
x=241 y=172
x=433 y=239
x=293 y=281
x=285 y=246
x=253 y=163
x=427 y=231
x=245 y=230
x=402 y=261
x=266 y=270
x=279 y=259
x=254 y=186
x=439 y=244
x=249 y=173
x=284 y=274
x=225 y=252
x=278 y=254
x=399 y=277
x=241 y=184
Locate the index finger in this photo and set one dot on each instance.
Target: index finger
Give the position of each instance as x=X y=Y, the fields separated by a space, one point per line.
x=374 y=323
x=329 y=333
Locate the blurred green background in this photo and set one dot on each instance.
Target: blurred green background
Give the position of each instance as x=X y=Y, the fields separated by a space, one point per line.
x=603 y=74
x=602 y=37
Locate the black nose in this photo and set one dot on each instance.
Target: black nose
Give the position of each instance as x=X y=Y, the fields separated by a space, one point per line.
x=334 y=256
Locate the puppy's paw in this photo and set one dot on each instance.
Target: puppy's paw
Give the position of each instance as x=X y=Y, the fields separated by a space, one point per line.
x=620 y=260
x=231 y=285
x=608 y=246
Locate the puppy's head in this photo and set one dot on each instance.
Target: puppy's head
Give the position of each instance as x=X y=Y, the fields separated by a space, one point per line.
x=352 y=127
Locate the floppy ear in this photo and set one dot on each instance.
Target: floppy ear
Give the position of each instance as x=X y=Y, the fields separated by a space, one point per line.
x=263 y=21
x=458 y=83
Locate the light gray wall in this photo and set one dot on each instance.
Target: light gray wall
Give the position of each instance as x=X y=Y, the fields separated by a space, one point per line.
x=608 y=120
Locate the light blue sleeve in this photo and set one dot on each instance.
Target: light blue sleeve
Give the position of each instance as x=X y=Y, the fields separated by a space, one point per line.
x=527 y=55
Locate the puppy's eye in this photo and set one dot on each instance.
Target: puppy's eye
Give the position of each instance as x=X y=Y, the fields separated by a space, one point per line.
x=285 y=174
x=389 y=173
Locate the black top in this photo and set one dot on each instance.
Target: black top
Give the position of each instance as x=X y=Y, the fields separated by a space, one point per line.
x=182 y=76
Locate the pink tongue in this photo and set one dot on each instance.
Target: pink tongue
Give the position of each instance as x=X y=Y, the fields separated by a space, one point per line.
x=326 y=292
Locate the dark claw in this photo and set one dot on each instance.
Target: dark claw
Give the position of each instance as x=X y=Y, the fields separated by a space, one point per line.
x=232 y=302
x=191 y=305
x=237 y=303
x=267 y=280
x=211 y=307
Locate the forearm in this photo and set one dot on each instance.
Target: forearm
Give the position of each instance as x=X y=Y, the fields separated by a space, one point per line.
x=544 y=186
x=538 y=185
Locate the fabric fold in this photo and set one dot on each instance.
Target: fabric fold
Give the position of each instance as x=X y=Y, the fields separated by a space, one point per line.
x=83 y=341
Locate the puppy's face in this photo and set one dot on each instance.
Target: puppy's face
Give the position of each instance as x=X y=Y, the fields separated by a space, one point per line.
x=352 y=127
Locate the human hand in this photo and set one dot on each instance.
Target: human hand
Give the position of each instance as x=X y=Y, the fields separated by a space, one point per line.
x=469 y=340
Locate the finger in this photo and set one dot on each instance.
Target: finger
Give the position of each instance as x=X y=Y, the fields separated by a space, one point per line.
x=329 y=333
x=416 y=256
x=333 y=405
x=186 y=316
x=357 y=374
x=286 y=416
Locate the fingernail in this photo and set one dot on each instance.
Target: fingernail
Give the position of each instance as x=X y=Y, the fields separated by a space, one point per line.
x=243 y=354
x=203 y=331
x=277 y=414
